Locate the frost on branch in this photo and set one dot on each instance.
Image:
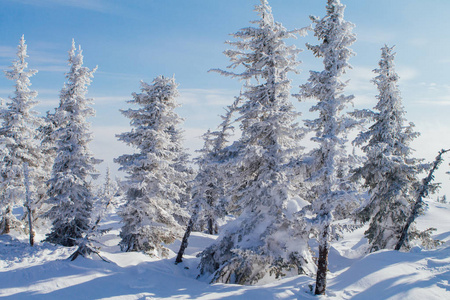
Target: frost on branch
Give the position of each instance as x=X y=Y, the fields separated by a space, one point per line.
x=70 y=192
x=157 y=177
x=334 y=195
x=390 y=172
x=266 y=239
x=20 y=146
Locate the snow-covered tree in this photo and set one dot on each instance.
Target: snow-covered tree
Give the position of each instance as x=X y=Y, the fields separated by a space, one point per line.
x=70 y=191
x=331 y=188
x=390 y=172
x=211 y=182
x=107 y=195
x=156 y=180
x=104 y=202
x=417 y=208
x=20 y=146
x=263 y=240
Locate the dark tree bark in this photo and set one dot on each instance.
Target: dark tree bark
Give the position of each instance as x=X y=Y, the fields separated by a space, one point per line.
x=423 y=192
x=28 y=202
x=6 y=221
x=322 y=264
x=184 y=242
x=212 y=229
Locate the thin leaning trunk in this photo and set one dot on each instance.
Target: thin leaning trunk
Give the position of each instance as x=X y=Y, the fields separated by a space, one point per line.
x=322 y=264
x=423 y=192
x=184 y=242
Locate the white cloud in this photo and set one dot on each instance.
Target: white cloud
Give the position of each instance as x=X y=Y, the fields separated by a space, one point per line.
x=95 y=5
x=431 y=94
x=110 y=99
x=375 y=36
x=206 y=97
x=119 y=75
x=406 y=73
x=8 y=52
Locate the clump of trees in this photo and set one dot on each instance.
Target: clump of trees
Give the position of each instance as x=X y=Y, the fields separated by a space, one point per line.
x=277 y=195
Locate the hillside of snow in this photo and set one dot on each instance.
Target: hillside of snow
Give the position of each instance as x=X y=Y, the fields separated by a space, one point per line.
x=43 y=271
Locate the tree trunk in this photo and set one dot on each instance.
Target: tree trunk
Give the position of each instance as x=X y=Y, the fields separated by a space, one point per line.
x=184 y=242
x=423 y=192
x=28 y=202
x=211 y=226
x=322 y=264
x=6 y=221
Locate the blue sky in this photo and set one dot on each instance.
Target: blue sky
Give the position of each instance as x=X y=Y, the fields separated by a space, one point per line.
x=137 y=40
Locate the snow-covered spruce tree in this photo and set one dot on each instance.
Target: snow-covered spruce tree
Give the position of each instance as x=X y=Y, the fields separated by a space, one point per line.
x=212 y=179
x=263 y=241
x=331 y=127
x=211 y=182
x=156 y=182
x=390 y=172
x=70 y=191
x=18 y=139
x=104 y=202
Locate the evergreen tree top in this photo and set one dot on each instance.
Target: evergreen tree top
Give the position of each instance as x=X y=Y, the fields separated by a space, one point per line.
x=18 y=69
x=18 y=117
x=74 y=91
x=389 y=115
x=336 y=36
x=261 y=49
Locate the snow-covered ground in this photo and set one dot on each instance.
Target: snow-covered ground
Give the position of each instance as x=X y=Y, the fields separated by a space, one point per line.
x=43 y=271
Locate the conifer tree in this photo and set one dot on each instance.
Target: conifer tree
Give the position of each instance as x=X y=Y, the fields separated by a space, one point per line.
x=330 y=128
x=20 y=146
x=211 y=182
x=212 y=178
x=156 y=180
x=70 y=191
x=263 y=240
x=390 y=172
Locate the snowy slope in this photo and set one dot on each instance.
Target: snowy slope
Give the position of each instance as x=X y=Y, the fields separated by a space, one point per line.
x=43 y=272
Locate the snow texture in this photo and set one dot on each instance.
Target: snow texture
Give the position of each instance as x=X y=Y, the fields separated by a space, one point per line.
x=44 y=272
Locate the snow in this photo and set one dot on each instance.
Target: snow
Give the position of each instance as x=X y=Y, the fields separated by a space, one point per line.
x=43 y=271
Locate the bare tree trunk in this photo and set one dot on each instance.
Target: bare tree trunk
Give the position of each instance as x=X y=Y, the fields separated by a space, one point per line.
x=322 y=264
x=184 y=242
x=28 y=202
x=6 y=221
x=211 y=226
x=423 y=192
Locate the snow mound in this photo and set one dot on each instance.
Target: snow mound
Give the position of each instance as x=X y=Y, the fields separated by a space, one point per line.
x=43 y=271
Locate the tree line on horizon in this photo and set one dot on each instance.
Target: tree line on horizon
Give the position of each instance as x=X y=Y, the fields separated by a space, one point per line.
x=277 y=195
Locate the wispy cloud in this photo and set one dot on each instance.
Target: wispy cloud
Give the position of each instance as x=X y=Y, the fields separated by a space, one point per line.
x=119 y=75
x=375 y=36
x=407 y=73
x=110 y=99
x=7 y=51
x=93 y=5
x=206 y=97
x=432 y=94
